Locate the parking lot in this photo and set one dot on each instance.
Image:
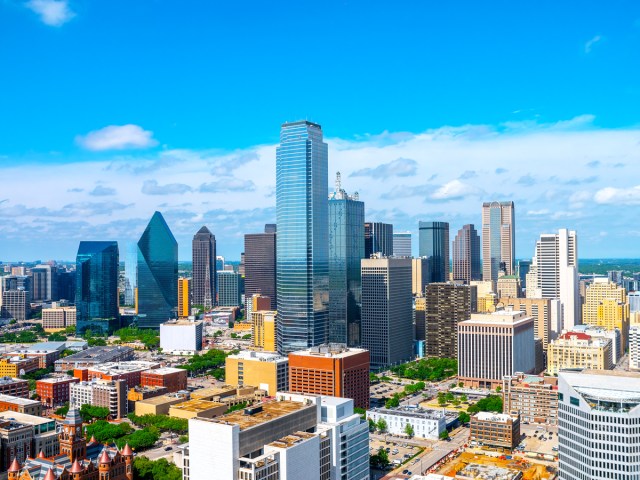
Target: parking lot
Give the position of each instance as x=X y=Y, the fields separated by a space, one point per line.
x=399 y=452
x=540 y=439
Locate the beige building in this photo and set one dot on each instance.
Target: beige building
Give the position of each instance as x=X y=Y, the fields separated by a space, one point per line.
x=197 y=409
x=541 y=309
x=264 y=330
x=495 y=430
x=158 y=405
x=485 y=296
x=267 y=371
x=58 y=318
x=606 y=306
x=419 y=275
x=534 y=398
x=508 y=286
x=575 y=350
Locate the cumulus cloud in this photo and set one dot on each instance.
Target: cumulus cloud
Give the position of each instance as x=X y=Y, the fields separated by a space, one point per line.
x=226 y=165
x=102 y=191
x=227 y=184
x=151 y=187
x=588 y=46
x=618 y=196
x=54 y=13
x=117 y=137
x=401 y=167
x=454 y=190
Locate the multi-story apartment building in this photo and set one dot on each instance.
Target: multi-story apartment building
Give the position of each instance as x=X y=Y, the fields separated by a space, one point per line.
x=533 y=398
x=267 y=371
x=606 y=306
x=491 y=346
x=54 y=391
x=447 y=304
x=15 y=304
x=111 y=394
x=599 y=414
x=496 y=430
x=617 y=349
x=173 y=379
x=263 y=333
x=58 y=318
x=634 y=347
x=575 y=350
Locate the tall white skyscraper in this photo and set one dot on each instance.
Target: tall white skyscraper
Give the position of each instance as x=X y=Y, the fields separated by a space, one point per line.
x=498 y=239
x=556 y=260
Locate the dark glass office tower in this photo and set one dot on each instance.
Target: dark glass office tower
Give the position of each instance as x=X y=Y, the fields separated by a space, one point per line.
x=204 y=276
x=466 y=255
x=302 y=278
x=378 y=238
x=434 y=243
x=157 y=274
x=260 y=265
x=97 y=265
x=346 y=249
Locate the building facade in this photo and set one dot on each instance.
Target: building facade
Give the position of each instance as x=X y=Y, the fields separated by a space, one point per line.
x=402 y=244
x=267 y=371
x=498 y=239
x=434 y=243
x=204 y=268
x=264 y=328
x=181 y=335
x=533 y=398
x=184 y=297
x=606 y=306
x=260 y=265
x=54 y=391
x=496 y=430
x=424 y=423
x=58 y=318
x=466 y=255
x=378 y=238
x=446 y=305
x=575 y=350
x=229 y=289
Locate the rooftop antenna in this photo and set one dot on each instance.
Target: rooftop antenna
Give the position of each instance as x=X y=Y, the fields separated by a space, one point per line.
x=338 y=182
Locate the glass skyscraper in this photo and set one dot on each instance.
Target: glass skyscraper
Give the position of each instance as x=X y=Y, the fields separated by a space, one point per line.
x=203 y=250
x=130 y=274
x=378 y=238
x=97 y=265
x=157 y=274
x=434 y=243
x=302 y=275
x=346 y=249
x=498 y=239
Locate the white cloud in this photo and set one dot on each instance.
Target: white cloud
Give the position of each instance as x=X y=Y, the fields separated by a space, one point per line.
x=151 y=187
x=52 y=12
x=618 y=196
x=588 y=46
x=117 y=137
x=454 y=190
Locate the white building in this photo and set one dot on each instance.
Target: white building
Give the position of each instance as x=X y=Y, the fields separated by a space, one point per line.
x=425 y=423
x=600 y=332
x=599 y=417
x=296 y=436
x=181 y=336
x=634 y=347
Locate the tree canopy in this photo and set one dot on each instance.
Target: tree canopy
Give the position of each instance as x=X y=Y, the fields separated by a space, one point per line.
x=492 y=403
x=431 y=369
x=161 y=469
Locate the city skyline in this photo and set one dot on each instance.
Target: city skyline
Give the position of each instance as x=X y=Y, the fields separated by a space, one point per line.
x=563 y=146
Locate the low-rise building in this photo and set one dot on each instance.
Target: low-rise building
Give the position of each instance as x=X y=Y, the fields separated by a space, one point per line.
x=45 y=358
x=197 y=408
x=16 y=365
x=45 y=435
x=16 y=442
x=21 y=405
x=181 y=335
x=111 y=394
x=268 y=371
x=534 y=398
x=138 y=393
x=575 y=350
x=617 y=350
x=55 y=391
x=94 y=356
x=14 y=386
x=58 y=318
x=495 y=430
x=158 y=405
x=174 y=379
x=263 y=334
x=130 y=372
x=424 y=423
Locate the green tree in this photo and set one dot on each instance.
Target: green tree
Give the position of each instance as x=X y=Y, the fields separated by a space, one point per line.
x=442 y=401
x=492 y=403
x=393 y=402
x=463 y=398
x=498 y=389
x=464 y=417
x=455 y=402
x=432 y=369
x=383 y=457
x=408 y=429
x=372 y=425
x=373 y=378
x=382 y=425
x=90 y=413
x=360 y=411
x=449 y=397
x=140 y=439
x=444 y=435
x=62 y=411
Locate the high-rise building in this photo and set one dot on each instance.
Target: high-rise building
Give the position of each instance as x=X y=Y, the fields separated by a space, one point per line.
x=302 y=278
x=157 y=274
x=387 y=316
x=265 y=370
x=434 y=243
x=498 y=239
x=577 y=350
x=420 y=275
x=15 y=304
x=346 y=249
x=522 y=270
x=331 y=369
x=466 y=255
x=634 y=301
x=556 y=273
x=606 y=306
x=203 y=250
x=402 y=244
x=97 y=268
x=378 y=238
x=66 y=284
x=419 y=322
x=597 y=430
x=545 y=312
x=263 y=333
x=184 y=297
x=229 y=289
x=634 y=347
x=493 y=345
x=447 y=304
x=508 y=286
x=260 y=265
x=44 y=283
x=130 y=274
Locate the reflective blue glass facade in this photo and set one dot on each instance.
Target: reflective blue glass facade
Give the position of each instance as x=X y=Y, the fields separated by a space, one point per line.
x=346 y=249
x=302 y=274
x=434 y=243
x=97 y=265
x=157 y=274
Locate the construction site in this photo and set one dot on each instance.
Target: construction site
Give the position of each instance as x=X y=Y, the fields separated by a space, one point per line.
x=472 y=466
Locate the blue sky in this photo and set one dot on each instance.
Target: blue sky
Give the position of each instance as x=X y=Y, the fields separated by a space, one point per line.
x=110 y=110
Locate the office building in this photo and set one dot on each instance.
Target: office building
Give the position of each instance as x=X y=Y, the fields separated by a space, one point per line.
x=54 y=391
x=111 y=394
x=545 y=313
x=634 y=347
x=16 y=439
x=58 y=318
x=434 y=243
x=498 y=239
x=387 y=316
x=466 y=255
x=447 y=304
x=606 y=306
x=634 y=301
x=534 y=398
x=267 y=371
x=43 y=435
x=522 y=269
x=419 y=319
x=293 y=437
x=426 y=423
x=20 y=405
x=260 y=265
x=263 y=334
x=15 y=304
x=617 y=351
x=346 y=249
x=15 y=387
x=157 y=274
x=576 y=350
x=597 y=429
x=229 y=289
x=556 y=273
x=508 y=286
x=402 y=244
x=173 y=379
x=130 y=372
x=333 y=370
x=491 y=346
x=16 y=365
x=44 y=283
x=184 y=297
x=97 y=269
x=66 y=284
x=495 y=430
x=204 y=275
x=181 y=335
x=420 y=275
x=378 y=238
x=130 y=274
x=302 y=264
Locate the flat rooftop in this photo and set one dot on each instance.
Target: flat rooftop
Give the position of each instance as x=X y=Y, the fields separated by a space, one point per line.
x=197 y=405
x=161 y=399
x=25 y=418
x=412 y=412
x=291 y=440
x=213 y=391
x=56 y=379
x=270 y=411
x=332 y=350
x=501 y=317
x=183 y=322
x=114 y=368
x=493 y=417
x=165 y=370
x=17 y=400
x=10 y=380
x=96 y=354
x=260 y=356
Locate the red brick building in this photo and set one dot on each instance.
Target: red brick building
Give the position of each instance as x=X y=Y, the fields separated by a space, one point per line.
x=14 y=386
x=54 y=391
x=331 y=370
x=173 y=379
x=130 y=372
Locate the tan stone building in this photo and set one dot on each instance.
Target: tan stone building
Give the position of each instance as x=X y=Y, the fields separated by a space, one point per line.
x=534 y=398
x=267 y=371
x=575 y=350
